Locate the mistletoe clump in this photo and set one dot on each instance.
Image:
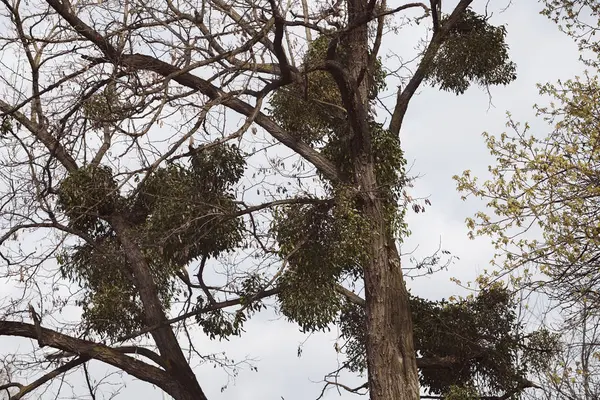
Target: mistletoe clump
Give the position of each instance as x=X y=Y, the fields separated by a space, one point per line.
x=190 y=212
x=87 y=195
x=390 y=167
x=478 y=339
x=480 y=333
x=474 y=51
x=313 y=109
x=462 y=393
x=111 y=303
x=179 y=213
x=310 y=109
x=106 y=106
x=321 y=243
x=6 y=126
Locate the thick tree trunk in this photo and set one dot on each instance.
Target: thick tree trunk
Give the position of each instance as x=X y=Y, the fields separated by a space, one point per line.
x=391 y=358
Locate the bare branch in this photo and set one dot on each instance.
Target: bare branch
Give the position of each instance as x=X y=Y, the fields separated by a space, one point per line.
x=144 y=62
x=93 y=350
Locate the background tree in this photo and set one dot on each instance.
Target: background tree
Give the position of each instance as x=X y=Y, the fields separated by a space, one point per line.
x=117 y=146
x=573 y=372
x=543 y=193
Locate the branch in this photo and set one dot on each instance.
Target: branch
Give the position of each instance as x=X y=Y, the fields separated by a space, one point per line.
x=54 y=225
x=10 y=385
x=25 y=389
x=298 y=200
x=41 y=132
x=356 y=111
x=154 y=314
x=403 y=97
x=347 y=388
x=92 y=350
x=350 y=295
x=284 y=65
x=212 y=307
x=509 y=394
x=256 y=37
x=37 y=321
x=139 y=62
x=435 y=14
x=88 y=382
x=142 y=351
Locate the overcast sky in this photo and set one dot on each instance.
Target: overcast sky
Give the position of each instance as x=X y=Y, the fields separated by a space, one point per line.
x=441 y=137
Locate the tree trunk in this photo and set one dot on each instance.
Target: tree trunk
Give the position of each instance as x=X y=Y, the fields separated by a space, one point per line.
x=154 y=315
x=391 y=358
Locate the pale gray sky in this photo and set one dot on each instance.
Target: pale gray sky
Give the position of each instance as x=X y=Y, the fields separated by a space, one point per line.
x=442 y=137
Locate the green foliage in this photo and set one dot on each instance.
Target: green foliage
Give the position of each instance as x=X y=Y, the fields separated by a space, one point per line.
x=324 y=243
x=313 y=109
x=87 y=195
x=188 y=216
x=220 y=324
x=578 y=19
x=313 y=304
x=219 y=168
x=105 y=106
x=389 y=168
x=332 y=237
x=321 y=244
x=111 y=304
x=178 y=214
x=480 y=335
x=474 y=51
x=6 y=126
x=461 y=393
x=352 y=322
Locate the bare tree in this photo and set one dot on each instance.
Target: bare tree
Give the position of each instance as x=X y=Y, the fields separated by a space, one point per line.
x=574 y=373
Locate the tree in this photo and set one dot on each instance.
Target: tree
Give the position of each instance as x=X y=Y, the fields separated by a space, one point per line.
x=544 y=193
x=95 y=118
x=549 y=182
x=474 y=346
x=544 y=197
x=574 y=372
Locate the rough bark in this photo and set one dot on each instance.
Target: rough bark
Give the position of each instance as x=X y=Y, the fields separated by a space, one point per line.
x=390 y=351
x=391 y=358
x=108 y=355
